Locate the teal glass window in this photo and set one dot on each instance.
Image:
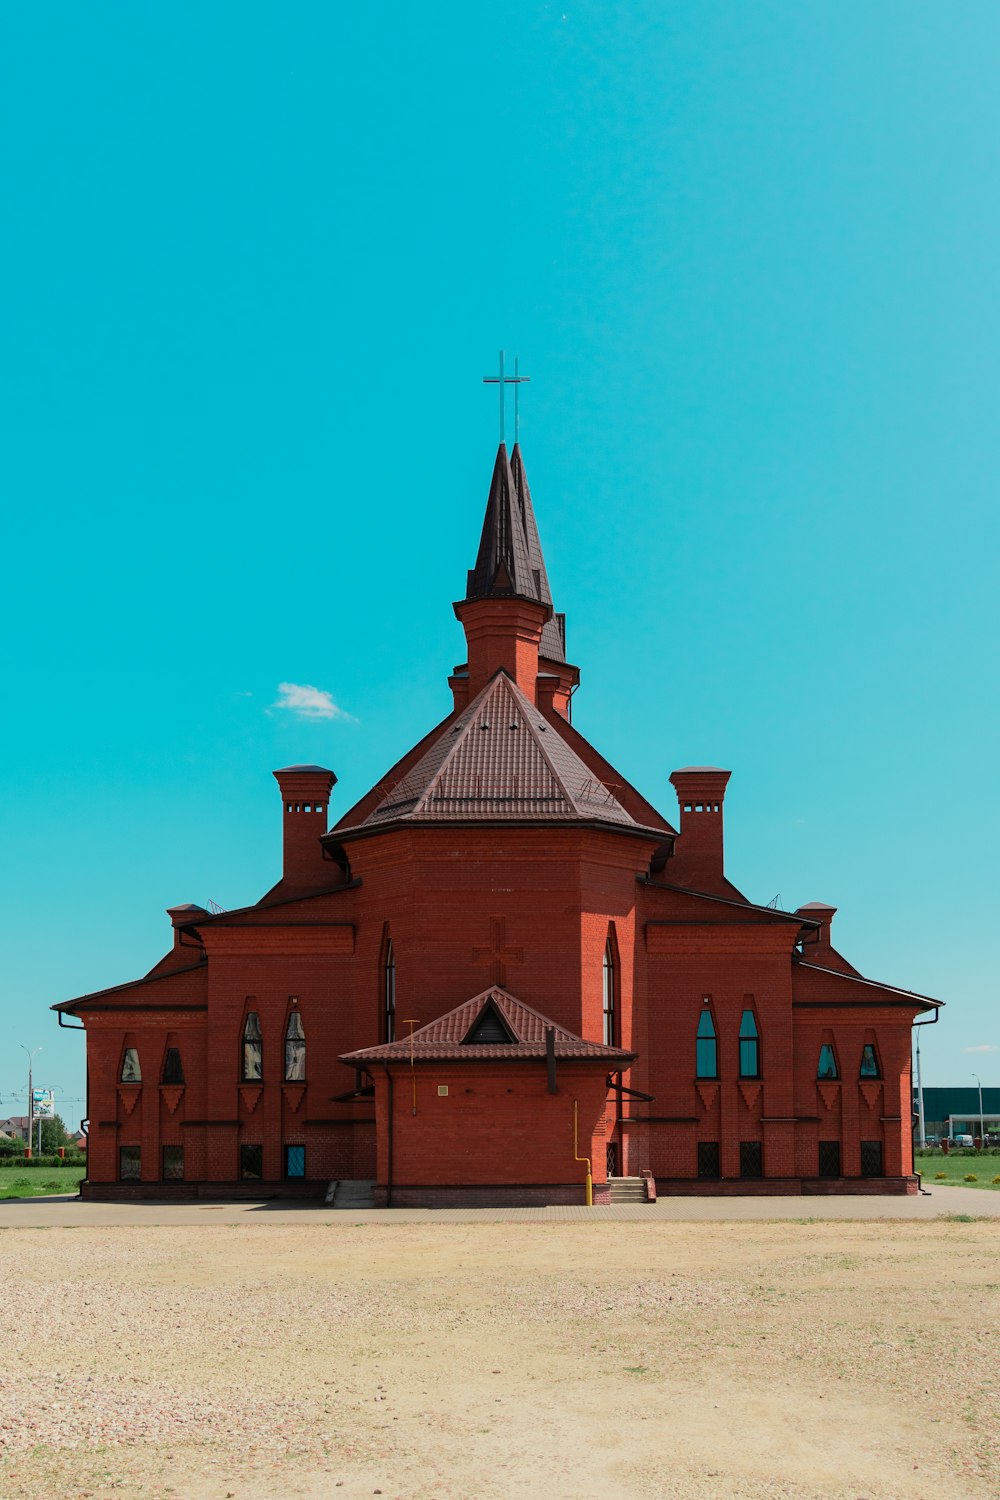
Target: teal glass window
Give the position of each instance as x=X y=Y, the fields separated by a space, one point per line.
x=869 y=1062
x=295 y=1161
x=749 y=1046
x=706 y=1047
x=827 y=1066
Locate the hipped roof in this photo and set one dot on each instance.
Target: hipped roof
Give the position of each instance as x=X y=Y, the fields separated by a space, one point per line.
x=500 y=758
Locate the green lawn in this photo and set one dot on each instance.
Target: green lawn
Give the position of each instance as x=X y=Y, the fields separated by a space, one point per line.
x=985 y=1168
x=36 y=1182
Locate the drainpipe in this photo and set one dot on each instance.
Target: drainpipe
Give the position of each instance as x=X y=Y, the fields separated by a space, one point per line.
x=388 y=1140
x=576 y=1153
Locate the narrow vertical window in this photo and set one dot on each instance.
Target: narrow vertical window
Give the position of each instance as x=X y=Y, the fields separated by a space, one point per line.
x=749 y=1046
x=609 y=995
x=173 y=1163
x=295 y=1049
x=709 y=1159
x=131 y=1072
x=869 y=1062
x=827 y=1066
x=295 y=1161
x=251 y=1162
x=707 y=1050
x=389 y=995
x=173 y=1068
x=129 y=1163
x=253 y=1049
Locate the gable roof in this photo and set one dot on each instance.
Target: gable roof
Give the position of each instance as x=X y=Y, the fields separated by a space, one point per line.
x=500 y=758
x=446 y=1038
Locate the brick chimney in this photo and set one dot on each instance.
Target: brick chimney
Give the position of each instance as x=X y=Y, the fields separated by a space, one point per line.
x=305 y=795
x=817 y=946
x=698 y=853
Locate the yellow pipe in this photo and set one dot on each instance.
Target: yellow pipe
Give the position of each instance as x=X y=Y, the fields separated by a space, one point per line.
x=578 y=1157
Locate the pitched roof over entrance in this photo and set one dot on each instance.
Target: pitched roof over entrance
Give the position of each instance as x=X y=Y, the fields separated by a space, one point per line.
x=458 y=1034
x=500 y=759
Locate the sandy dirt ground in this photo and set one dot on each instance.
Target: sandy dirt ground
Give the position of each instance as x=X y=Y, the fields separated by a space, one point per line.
x=807 y=1360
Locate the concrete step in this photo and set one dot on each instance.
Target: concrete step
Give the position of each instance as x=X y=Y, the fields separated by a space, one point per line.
x=627 y=1189
x=351 y=1193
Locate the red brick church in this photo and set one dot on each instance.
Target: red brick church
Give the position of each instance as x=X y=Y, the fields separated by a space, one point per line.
x=499 y=972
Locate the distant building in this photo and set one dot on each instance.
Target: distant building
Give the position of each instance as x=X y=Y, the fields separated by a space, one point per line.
x=583 y=979
x=955 y=1111
x=16 y=1127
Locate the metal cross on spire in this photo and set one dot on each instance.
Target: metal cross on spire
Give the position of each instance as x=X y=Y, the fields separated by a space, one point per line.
x=516 y=380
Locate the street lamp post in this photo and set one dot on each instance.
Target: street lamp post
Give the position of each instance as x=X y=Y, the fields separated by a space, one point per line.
x=982 y=1123
x=31 y=1094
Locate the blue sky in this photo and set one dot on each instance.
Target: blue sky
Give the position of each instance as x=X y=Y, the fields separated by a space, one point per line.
x=256 y=259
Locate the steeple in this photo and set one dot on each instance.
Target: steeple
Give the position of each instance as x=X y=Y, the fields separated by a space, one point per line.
x=502 y=563
x=507 y=610
x=553 y=631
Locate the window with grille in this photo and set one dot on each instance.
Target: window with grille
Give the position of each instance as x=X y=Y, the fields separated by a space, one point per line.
x=609 y=995
x=829 y=1159
x=749 y=1046
x=869 y=1062
x=131 y=1072
x=173 y=1068
x=129 y=1163
x=295 y=1049
x=827 y=1065
x=173 y=1163
x=706 y=1047
x=751 y=1159
x=253 y=1049
x=708 y=1159
x=251 y=1163
x=295 y=1161
x=871 y=1159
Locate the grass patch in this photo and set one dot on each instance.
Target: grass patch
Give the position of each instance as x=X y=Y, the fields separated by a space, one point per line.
x=959 y=1171
x=15 y=1182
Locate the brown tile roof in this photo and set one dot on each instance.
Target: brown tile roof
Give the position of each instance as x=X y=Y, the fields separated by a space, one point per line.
x=443 y=1039
x=500 y=758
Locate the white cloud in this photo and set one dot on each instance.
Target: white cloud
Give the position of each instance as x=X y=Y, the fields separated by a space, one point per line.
x=309 y=702
x=983 y=1047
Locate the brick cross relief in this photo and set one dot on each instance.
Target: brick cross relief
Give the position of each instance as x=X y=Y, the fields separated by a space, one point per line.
x=498 y=954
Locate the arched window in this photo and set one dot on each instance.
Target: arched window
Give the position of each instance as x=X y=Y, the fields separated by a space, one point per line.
x=609 y=995
x=869 y=1062
x=749 y=1046
x=131 y=1072
x=389 y=993
x=173 y=1068
x=295 y=1049
x=706 y=1047
x=827 y=1065
x=253 y=1049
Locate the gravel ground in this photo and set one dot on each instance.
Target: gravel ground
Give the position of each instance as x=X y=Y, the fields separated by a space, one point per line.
x=682 y=1361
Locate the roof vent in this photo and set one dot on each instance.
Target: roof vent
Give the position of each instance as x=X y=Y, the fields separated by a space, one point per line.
x=489 y=1026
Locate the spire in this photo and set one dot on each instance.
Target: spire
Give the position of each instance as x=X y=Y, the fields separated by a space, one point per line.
x=553 y=631
x=502 y=567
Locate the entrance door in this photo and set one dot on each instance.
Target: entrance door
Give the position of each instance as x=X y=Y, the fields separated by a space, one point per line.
x=612 y=1150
